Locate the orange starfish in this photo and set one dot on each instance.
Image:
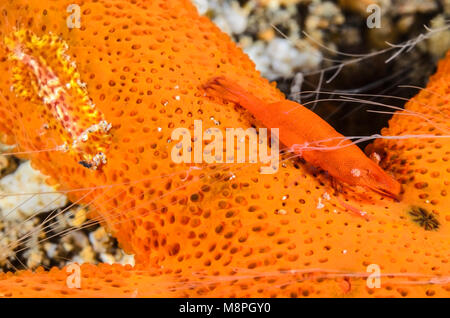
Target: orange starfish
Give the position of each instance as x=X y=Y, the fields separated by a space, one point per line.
x=218 y=230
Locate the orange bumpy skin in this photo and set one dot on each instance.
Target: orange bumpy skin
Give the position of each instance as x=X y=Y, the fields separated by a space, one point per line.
x=222 y=230
x=45 y=75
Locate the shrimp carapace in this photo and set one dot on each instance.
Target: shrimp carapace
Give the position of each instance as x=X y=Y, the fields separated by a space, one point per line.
x=308 y=135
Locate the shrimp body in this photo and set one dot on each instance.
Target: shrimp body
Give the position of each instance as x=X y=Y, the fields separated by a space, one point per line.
x=308 y=135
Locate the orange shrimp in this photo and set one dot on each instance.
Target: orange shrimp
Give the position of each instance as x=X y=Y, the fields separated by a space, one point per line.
x=309 y=136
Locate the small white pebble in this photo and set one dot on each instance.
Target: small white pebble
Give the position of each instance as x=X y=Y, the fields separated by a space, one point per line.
x=51 y=249
x=201 y=5
x=233 y=19
x=107 y=258
x=27 y=180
